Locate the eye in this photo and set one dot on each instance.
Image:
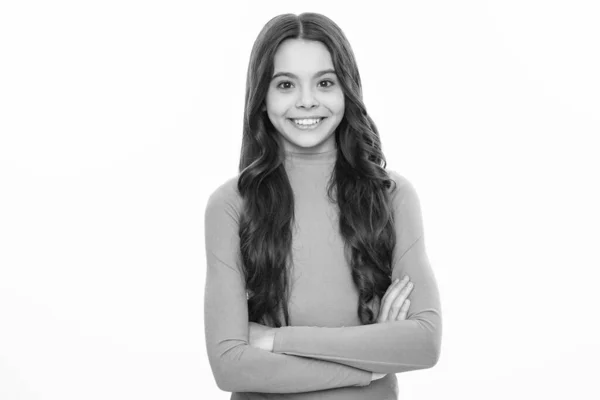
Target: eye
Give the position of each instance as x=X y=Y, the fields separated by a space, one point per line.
x=283 y=83
x=330 y=83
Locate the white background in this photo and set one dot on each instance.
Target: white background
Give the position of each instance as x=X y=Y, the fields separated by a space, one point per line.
x=119 y=118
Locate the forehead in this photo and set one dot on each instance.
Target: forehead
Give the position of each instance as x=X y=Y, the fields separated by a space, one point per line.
x=301 y=57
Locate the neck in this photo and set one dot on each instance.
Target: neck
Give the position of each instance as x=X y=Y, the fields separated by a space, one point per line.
x=307 y=157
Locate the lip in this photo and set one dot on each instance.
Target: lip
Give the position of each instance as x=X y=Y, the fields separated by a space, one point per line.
x=312 y=117
x=308 y=128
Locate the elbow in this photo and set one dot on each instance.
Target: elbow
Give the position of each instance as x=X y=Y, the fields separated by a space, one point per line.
x=430 y=344
x=433 y=345
x=224 y=381
x=227 y=378
x=225 y=370
x=422 y=352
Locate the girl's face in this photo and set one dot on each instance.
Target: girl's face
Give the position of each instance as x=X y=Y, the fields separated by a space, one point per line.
x=305 y=102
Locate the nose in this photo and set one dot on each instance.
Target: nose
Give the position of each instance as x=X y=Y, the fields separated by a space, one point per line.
x=307 y=99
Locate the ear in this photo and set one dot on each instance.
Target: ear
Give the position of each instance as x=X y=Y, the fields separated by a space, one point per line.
x=264 y=107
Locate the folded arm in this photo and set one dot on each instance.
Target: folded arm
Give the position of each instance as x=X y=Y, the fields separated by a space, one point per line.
x=237 y=366
x=389 y=347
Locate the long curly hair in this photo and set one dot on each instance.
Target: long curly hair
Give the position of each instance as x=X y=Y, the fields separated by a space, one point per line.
x=359 y=183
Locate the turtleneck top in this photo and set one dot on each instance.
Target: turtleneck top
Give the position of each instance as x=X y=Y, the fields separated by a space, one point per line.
x=325 y=352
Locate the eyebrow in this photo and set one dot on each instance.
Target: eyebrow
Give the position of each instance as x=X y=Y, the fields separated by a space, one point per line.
x=289 y=74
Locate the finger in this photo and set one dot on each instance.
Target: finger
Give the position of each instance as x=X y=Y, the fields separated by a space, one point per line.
x=391 y=294
x=389 y=289
x=403 y=310
x=384 y=300
x=399 y=300
x=389 y=298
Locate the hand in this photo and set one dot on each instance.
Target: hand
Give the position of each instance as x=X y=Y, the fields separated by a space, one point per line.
x=395 y=303
x=261 y=336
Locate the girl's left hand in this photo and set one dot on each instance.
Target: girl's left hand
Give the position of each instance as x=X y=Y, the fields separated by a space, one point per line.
x=261 y=336
x=395 y=302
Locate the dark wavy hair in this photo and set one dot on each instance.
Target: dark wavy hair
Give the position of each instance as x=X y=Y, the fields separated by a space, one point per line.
x=359 y=182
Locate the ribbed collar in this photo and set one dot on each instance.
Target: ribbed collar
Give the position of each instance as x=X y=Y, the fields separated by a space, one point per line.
x=326 y=157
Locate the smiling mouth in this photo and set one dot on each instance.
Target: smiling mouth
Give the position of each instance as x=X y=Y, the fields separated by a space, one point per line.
x=307 y=123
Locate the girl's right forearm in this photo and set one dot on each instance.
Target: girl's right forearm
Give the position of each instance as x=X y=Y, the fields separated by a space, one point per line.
x=243 y=368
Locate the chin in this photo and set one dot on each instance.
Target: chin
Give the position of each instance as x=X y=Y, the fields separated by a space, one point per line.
x=308 y=144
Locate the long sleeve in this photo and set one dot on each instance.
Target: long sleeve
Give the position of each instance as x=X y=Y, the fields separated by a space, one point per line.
x=237 y=366
x=390 y=347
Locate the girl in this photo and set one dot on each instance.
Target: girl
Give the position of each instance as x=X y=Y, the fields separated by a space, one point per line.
x=313 y=249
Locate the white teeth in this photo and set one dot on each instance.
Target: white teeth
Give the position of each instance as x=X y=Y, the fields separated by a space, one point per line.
x=307 y=121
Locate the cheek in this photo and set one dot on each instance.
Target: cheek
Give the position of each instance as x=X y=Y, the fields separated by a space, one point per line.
x=338 y=103
x=276 y=105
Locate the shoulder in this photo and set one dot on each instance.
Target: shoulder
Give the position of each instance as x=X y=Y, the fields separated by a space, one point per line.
x=224 y=199
x=404 y=192
x=406 y=208
x=401 y=180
